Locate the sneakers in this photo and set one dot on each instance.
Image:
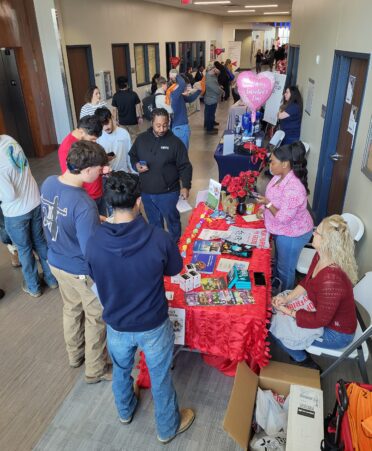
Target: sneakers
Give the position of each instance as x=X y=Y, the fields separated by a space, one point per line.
x=137 y=395
x=105 y=376
x=187 y=418
x=35 y=294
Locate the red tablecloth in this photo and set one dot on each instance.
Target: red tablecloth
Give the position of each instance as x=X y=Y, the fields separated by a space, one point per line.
x=227 y=334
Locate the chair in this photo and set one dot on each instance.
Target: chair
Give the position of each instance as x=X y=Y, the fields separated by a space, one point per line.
x=277 y=139
x=356 y=227
x=360 y=346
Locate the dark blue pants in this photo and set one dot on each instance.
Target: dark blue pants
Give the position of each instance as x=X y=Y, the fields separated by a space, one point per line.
x=210 y=116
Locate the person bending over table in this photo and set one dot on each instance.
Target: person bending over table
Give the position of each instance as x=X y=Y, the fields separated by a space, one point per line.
x=285 y=209
x=290 y=115
x=329 y=285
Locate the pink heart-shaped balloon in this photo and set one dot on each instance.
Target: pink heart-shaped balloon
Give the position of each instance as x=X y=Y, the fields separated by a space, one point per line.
x=254 y=89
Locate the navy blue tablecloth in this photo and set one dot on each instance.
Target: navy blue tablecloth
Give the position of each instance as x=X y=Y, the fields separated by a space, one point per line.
x=234 y=163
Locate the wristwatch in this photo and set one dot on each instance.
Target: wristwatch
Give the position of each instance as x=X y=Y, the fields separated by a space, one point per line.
x=270 y=204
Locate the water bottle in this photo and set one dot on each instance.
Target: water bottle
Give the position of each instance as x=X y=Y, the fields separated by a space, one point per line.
x=247 y=123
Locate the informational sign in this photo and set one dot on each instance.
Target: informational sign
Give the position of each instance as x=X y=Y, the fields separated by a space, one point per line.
x=350 y=89
x=352 y=119
x=273 y=103
x=234 y=50
x=178 y=318
x=310 y=96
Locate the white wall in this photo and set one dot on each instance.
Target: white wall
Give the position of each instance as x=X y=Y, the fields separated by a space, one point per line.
x=320 y=27
x=51 y=50
x=102 y=23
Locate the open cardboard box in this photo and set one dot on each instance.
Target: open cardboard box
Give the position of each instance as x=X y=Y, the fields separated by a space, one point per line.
x=305 y=417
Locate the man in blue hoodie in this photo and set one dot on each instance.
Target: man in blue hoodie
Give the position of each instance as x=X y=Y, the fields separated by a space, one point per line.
x=128 y=259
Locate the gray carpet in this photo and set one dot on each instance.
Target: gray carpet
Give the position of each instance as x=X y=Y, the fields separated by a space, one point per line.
x=87 y=419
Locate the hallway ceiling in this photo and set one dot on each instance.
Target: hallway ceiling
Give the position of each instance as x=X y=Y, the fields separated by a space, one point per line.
x=221 y=10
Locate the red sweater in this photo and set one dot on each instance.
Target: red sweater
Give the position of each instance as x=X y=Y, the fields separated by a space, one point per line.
x=94 y=190
x=331 y=292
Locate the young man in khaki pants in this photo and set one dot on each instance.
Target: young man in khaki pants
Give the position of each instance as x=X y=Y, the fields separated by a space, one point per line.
x=70 y=217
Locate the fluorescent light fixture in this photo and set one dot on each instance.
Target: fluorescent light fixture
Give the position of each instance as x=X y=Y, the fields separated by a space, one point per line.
x=216 y=2
x=261 y=6
x=241 y=11
x=278 y=13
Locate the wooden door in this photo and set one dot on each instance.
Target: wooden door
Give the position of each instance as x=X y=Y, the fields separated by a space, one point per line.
x=81 y=73
x=121 y=60
x=342 y=155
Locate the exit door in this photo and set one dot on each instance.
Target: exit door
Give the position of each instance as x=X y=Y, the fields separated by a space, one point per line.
x=339 y=134
x=14 y=119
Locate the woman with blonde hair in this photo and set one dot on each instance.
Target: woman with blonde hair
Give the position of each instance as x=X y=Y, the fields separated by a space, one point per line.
x=329 y=286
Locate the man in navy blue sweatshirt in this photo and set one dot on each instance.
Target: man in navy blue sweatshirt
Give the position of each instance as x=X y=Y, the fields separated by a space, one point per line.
x=128 y=259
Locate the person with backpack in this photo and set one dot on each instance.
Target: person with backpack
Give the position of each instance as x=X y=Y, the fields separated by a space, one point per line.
x=159 y=98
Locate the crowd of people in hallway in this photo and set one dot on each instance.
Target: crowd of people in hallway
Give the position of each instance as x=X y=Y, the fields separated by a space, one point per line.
x=86 y=229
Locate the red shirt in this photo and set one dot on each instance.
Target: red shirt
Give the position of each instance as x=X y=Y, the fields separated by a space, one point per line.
x=331 y=292
x=94 y=190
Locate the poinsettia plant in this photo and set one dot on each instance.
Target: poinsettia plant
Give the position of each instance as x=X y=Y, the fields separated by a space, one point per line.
x=240 y=186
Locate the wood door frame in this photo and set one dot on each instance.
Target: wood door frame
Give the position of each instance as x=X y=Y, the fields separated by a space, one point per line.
x=331 y=129
x=127 y=57
x=88 y=47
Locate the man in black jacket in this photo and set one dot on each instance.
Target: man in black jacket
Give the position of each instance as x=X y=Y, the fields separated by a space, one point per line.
x=162 y=163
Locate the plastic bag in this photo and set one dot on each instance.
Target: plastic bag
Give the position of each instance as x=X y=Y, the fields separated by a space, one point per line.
x=262 y=442
x=270 y=415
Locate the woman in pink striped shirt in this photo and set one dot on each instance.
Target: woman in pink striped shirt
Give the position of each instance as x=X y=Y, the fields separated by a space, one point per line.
x=285 y=209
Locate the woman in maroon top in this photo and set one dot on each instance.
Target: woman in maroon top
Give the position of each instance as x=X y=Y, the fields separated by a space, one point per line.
x=329 y=285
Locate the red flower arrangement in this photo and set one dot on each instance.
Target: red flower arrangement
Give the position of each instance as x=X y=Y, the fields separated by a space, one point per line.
x=240 y=186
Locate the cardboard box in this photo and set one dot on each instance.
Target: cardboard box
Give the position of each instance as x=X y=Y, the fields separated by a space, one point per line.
x=186 y=282
x=277 y=377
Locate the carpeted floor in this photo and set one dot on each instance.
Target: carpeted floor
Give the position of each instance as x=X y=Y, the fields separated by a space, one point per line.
x=87 y=419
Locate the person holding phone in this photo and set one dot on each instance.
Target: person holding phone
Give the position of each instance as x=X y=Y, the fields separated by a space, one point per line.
x=284 y=209
x=165 y=172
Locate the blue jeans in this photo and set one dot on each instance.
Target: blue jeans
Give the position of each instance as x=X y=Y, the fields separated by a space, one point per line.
x=331 y=339
x=163 y=206
x=26 y=232
x=287 y=252
x=157 y=344
x=183 y=133
x=210 y=116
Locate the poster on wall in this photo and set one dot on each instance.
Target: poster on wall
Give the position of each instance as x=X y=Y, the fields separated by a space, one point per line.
x=350 y=89
x=352 y=120
x=310 y=96
x=273 y=103
x=367 y=158
x=234 y=49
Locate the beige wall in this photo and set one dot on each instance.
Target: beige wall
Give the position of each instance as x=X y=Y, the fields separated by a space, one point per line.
x=245 y=36
x=320 y=27
x=103 y=22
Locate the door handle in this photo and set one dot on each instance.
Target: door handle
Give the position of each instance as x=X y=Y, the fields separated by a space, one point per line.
x=336 y=157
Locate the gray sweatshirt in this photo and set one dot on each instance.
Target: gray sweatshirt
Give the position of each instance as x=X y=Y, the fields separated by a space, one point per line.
x=212 y=89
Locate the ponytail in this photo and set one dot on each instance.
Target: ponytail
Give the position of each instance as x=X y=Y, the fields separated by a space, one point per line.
x=295 y=154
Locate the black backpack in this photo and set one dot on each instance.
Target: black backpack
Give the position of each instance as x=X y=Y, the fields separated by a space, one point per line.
x=148 y=104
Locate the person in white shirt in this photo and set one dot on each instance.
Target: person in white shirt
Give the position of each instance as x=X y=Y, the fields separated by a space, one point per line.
x=20 y=202
x=115 y=140
x=160 y=95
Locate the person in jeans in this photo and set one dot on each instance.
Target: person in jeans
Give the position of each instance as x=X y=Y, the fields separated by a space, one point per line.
x=5 y=238
x=329 y=285
x=128 y=260
x=20 y=203
x=284 y=208
x=162 y=162
x=178 y=96
x=70 y=217
x=212 y=96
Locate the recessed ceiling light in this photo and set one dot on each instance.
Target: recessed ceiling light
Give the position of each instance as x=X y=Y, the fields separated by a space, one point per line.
x=261 y=6
x=277 y=13
x=241 y=11
x=216 y=2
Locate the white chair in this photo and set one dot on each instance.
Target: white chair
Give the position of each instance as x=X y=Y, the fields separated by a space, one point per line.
x=277 y=138
x=360 y=347
x=356 y=227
